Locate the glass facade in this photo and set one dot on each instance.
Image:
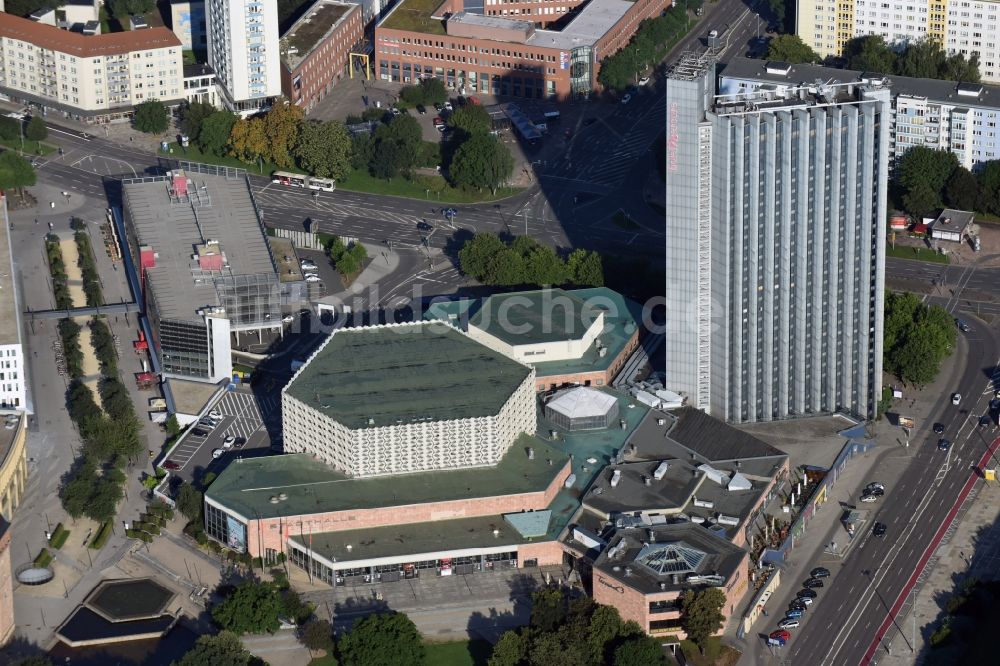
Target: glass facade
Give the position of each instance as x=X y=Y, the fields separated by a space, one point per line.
x=225 y=528
x=250 y=300
x=184 y=348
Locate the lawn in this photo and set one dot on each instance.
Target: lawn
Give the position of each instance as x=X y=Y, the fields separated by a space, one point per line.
x=31 y=148
x=915 y=253
x=458 y=653
x=415 y=15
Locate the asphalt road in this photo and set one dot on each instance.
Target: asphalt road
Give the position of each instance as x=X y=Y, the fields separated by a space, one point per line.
x=841 y=625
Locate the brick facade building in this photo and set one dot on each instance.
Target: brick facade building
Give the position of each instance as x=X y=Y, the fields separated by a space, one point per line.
x=315 y=52
x=507 y=49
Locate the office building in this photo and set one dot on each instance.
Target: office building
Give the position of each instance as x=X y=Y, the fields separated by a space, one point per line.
x=96 y=78
x=510 y=49
x=204 y=266
x=961 y=26
x=315 y=52
x=944 y=115
x=393 y=399
x=775 y=245
x=243 y=51
x=187 y=18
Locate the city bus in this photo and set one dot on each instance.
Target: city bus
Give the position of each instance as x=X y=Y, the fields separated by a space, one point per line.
x=300 y=180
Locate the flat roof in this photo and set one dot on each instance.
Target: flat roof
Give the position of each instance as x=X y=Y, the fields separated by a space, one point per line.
x=415 y=16
x=85 y=46
x=413 y=539
x=9 y=435
x=247 y=485
x=535 y=317
x=953 y=220
x=173 y=229
x=384 y=375
x=688 y=431
x=619 y=560
x=949 y=92
x=10 y=316
x=668 y=495
x=313 y=27
x=189 y=396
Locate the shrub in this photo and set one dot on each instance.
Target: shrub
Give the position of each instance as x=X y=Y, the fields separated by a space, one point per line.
x=149 y=482
x=43 y=559
x=941 y=635
x=103 y=532
x=59 y=536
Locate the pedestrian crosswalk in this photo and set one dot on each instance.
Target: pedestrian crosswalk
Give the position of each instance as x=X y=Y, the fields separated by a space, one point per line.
x=608 y=156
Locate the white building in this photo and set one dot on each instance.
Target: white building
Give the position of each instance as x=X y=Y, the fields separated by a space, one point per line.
x=243 y=51
x=403 y=398
x=944 y=115
x=93 y=77
x=13 y=377
x=964 y=26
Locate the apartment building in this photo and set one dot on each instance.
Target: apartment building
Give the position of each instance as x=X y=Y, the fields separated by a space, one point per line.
x=775 y=248
x=474 y=47
x=13 y=379
x=963 y=118
x=89 y=77
x=962 y=26
x=243 y=51
x=315 y=52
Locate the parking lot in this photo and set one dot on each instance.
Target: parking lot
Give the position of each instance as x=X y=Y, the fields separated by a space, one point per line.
x=245 y=418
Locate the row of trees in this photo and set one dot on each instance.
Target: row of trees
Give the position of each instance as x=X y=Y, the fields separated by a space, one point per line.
x=524 y=261
x=348 y=260
x=922 y=58
x=917 y=337
x=57 y=269
x=929 y=179
x=622 y=69
x=14 y=129
x=110 y=433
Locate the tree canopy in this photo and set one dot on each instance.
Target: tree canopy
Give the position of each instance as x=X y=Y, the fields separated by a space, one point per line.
x=481 y=162
x=190 y=501
x=623 y=68
x=251 y=608
x=222 y=649
x=383 y=639
x=870 y=53
x=791 y=49
x=36 y=130
x=193 y=116
x=701 y=615
x=917 y=337
x=214 y=132
x=16 y=173
x=324 y=149
x=151 y=117
x=526 y=262
x=471 y=119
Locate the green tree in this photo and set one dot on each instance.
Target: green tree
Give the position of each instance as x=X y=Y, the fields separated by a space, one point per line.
x=222 y=649
x=193 y=115
x=585 y=268
x=385 y=160
x=36 y=130
x=777 y=8
x=76 y=492
x=249 y=142
x=190 y=501
x=474 y=257
x=412 y=95
x=324 y=149
x=923 y=173
x=548 y=609
x=791 y=49
x=639 y=651
x=281 y=127
x=317 y=635
x=151 y=117
x=926 y=58
x=384 y=639
x=870 y=54
x=252 y=608
x=471 y=119
x=433 y=91
x=172 y=425
x=510 y=650
x=962 y=190
x=618 y=70
x=362 y=151
x=605 y=626
x=543 y=266
x=481 y=162
x=15 y=173
x=10 y=128
x=701 y=615
x=103 y=503
x=215 y=132
x=921 y=201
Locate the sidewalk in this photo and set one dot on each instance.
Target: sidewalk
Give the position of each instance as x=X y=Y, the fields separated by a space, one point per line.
x=889 y=458
x=384 y=262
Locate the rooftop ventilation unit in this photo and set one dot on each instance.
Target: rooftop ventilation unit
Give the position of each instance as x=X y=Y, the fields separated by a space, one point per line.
x=616 y=478
x=661 y=470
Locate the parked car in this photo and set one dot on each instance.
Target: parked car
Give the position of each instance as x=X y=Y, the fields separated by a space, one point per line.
x=170 y=464
x=448 y=107
x=956 y=398
x=877 y=492
x=962 y=325
x=308 y=265
x=938 y=428
x=627 y=98
x=794 y=615
x=805 y=601
x=288 y=319
x=984 y=420
x=208 y=423
x=878 y=529
x=439 y=106
x=807 y=592
x=438 y=122
x=644 y=81
x=780 y=634
x=240 y=442
x=868 y=499
x=796 y=605
x=198 y=432
x=790 y=623
x=228 y=442
x=875 y=485
x=820 y=572
x=813 y=583
x=217 y=453
x=312 y=278
x=943 y=444
x=421 y=109
x=215 y=414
